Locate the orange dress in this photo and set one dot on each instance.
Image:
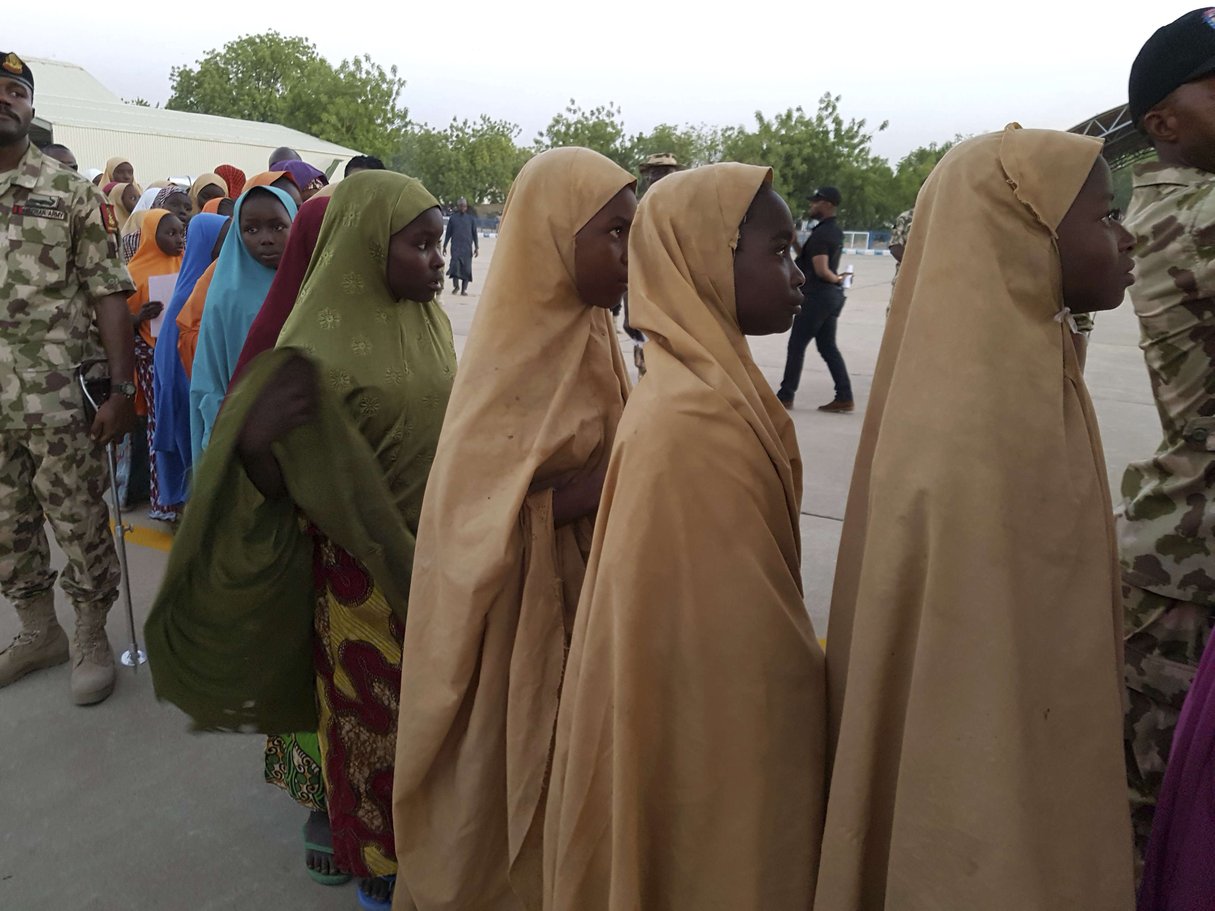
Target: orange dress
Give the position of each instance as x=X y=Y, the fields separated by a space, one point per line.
x=190 y=318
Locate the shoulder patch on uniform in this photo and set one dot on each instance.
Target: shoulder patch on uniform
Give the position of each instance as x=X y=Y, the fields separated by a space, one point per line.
x=108 y=218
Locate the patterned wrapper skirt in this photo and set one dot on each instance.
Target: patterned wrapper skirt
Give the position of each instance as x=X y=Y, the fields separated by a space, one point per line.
x=346 y=766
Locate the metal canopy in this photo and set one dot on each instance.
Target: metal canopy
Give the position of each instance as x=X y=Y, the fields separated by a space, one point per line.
x=1124 y=144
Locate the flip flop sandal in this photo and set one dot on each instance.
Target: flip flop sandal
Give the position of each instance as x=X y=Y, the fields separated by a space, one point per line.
x=325 y=879
x=370 y=904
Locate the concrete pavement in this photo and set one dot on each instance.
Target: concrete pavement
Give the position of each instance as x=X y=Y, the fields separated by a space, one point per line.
x=118 y=807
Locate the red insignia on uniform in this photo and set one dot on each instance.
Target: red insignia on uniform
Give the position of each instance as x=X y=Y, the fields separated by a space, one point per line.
x=108 y=218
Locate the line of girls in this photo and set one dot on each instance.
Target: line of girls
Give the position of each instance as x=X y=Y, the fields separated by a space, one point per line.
x=527 y=639
x=154 y=225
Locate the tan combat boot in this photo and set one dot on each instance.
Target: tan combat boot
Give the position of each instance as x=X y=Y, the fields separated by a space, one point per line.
x=41 y=642
x=93 y=664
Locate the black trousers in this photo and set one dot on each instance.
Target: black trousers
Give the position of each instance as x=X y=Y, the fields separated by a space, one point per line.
x=817 y=320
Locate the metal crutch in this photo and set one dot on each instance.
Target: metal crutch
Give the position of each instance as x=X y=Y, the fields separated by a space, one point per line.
x=96 y=390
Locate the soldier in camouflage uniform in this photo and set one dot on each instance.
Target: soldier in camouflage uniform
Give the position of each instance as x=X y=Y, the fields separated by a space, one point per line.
x=899 y=232
x=64 y=301
x=1166 y=523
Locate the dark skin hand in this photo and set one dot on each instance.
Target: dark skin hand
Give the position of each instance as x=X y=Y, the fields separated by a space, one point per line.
x=897 y=250
x=149 y=310
x=116 y=416
x=289 y=401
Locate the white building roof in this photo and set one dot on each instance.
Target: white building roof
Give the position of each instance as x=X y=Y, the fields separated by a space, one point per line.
x=96 y=124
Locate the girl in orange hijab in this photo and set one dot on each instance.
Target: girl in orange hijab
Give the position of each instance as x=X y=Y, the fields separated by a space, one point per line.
x=161 y=243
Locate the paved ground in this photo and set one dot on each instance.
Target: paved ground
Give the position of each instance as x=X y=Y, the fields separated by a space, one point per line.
x=119 y=808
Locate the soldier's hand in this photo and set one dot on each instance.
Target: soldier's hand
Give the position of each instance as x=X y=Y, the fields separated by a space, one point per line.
x=476 y=253
x=115 y=418
x=288 y=401
x=150 y=310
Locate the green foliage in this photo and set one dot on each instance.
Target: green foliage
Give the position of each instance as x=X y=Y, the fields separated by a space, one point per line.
x=279 y=79
x=477 y=159
x=600 y=128
x=272 y=78
x=806 y=152
x=692 y=146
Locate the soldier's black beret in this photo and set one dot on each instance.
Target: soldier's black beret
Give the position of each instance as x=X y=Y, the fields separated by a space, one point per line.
x=13 y=67
x=1180 y=52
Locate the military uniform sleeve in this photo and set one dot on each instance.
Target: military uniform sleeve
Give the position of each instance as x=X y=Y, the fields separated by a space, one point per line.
x=1199 y=262
x=99 y=268
x=1084 y=323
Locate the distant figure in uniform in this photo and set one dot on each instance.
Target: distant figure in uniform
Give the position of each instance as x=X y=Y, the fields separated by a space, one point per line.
x=824 y=299
x=282 y=153
x=462 y=236
x=64 y=302
x=656 y=167
x=61 y=154
x=363 y=163
x=899 y=233
x=653 y=169
x=1166 y=522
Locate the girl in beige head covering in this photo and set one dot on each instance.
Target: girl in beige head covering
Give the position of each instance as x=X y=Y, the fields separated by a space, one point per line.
x=973 y=651
x=688 y=771
x=500 y=554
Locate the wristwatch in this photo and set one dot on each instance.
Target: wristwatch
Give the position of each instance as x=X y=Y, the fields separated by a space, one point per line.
x=126 y=388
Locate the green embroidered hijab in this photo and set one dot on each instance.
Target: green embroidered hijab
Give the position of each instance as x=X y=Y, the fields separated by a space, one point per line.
x=230 y=634
x=391 y=362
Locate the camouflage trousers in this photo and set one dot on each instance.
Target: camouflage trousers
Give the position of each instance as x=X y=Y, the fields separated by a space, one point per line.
x=55 y=474
x=1165 y=639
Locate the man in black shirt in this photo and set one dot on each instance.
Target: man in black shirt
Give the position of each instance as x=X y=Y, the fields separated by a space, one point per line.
x=824 y=299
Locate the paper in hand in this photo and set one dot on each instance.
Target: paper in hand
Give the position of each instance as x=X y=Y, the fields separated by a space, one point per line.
x=160 y=288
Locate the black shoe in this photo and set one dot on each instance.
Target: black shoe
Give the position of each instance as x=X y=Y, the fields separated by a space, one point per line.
x=786 y=400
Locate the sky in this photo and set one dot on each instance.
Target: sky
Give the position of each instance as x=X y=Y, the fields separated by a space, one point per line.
x=932 y=69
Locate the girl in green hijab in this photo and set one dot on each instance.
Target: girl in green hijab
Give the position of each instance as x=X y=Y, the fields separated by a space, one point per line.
x=321 y=454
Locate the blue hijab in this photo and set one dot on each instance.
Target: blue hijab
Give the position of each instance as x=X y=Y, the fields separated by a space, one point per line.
x=171 y=442
x=237 y=291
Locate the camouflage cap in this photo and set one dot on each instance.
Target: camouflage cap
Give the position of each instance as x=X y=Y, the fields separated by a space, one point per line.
x=1180 y=52
x=661 y=160
x=13 y=67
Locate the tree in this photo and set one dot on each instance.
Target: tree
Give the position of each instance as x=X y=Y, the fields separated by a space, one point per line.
x=913 y=169
x=692 y=146
x=806 y=152
x=354 y=104
x=272 y=78
x=600 y=129
x=476 y=159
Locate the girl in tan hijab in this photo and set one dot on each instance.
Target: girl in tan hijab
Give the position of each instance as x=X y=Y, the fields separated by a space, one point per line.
x=505 y=530
x=688 y=771
x=206 y=188
x=118 y=170
x=973 y=651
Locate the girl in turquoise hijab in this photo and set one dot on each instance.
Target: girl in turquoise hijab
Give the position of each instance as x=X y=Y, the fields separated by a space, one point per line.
x=251 y=252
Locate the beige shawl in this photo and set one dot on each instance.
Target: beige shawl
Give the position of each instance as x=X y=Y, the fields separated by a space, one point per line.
x=973 y=650
x=688 y=771
x=538 y=394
